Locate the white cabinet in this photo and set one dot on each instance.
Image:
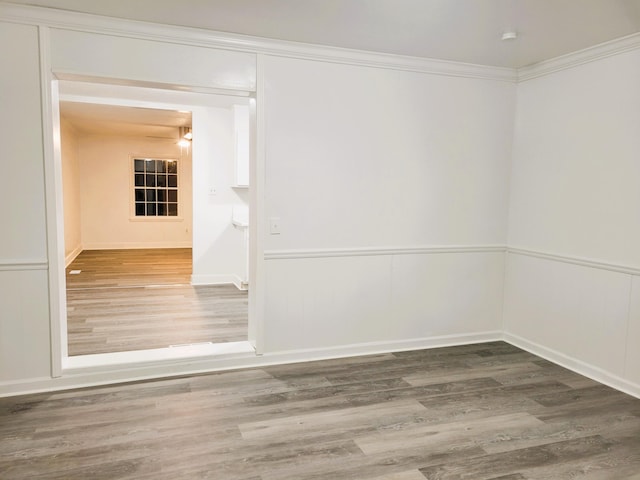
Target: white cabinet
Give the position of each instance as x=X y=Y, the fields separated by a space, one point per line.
x=241 y=143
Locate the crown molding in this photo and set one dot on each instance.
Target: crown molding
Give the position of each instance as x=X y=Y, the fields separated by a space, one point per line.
x=63 y=19
x=581 y=57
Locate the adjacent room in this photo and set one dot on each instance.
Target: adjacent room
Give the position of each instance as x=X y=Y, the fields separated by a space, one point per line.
x=426 y=210
x=127 y=193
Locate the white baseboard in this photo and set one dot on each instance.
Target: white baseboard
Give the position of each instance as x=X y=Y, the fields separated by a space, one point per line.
x=575 y=365
x=218 y=279
x=89 y=373
x=71 y=256
x=135 y=245
x=372 y=348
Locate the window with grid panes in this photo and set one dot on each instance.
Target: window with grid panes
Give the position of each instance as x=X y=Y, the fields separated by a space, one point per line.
x=155 y=184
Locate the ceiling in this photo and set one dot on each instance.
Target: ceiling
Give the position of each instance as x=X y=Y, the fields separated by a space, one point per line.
x=89 y=119
x=460 y=30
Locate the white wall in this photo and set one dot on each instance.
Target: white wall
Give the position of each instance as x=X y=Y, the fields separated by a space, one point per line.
x=28 y=261
x=575 y=202
x=105 y=185
x=219 y=249
x=384 y=301
x=24 y=323
x=632 y=352
x=71 y=190
x=362 y=161
x=359 y=156
x=81 y=53
x=21 y=147
x=575 y=166
x=391 y=189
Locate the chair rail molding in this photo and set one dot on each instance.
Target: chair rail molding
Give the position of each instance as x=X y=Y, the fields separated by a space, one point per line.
x=584 y=262
x=377 y=251
x=21 y=264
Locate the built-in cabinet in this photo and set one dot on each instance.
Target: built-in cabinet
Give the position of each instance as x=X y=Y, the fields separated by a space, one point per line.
x=241 y=144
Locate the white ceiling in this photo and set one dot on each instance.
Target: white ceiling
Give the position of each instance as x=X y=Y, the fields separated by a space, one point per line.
x=460 y=30
x=89 y=118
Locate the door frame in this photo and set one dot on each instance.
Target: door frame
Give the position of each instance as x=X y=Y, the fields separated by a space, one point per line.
x=55 y=222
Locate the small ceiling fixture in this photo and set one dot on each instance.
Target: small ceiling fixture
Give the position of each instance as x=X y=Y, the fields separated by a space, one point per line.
x=509 y=35
x=184 y=137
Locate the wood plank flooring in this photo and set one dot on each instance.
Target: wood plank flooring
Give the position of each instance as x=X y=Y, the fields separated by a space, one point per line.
x=127 y=300
x=479 y=412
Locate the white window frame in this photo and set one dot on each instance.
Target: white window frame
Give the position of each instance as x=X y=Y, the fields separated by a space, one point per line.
x=132 y=190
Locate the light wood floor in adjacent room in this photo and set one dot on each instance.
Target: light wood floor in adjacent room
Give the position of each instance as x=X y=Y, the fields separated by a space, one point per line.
x=478 y=412
x=140 y=299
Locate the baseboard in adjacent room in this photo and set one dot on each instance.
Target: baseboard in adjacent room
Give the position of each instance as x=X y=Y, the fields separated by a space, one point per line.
x=71 y=256
x=219 y=279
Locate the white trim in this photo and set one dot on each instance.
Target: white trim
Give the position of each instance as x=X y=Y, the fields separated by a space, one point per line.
x=162 y=219
x=211 y=39
x=110 y=80
x=580 y=57
x=22 y=264
x=133 y=187
x=245 y=43
x=575 y=365
x=106 y=362
x=584 y=262
x=373 y=348
x=257 y=212
x=217 y=279
x=376 y=251
x=71 y=256
x=88 y=375
x=136 y=245
x=52 y=151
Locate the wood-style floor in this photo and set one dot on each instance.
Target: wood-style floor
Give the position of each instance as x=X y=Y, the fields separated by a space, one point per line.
x=478 y=412
x=126 y=300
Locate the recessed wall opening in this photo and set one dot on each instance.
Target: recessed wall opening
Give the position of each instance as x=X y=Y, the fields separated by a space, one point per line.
x=155 y=224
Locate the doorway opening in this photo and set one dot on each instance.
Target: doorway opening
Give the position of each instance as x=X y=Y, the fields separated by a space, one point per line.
x=152 y=221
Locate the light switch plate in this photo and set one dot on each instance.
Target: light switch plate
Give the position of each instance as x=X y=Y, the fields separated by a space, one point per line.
x=274 y=226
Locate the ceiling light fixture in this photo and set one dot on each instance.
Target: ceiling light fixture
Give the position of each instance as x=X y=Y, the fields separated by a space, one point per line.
x=509 y=35
x=184 y=137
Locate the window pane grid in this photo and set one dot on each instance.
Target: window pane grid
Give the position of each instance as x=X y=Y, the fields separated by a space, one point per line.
x=155 y=187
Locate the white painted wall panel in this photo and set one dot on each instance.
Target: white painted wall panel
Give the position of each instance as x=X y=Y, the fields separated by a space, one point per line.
x=572 y=310
x=21 y=152
x=365 y=157
x=574 y=185
x=328 y=302
x=447 y=294
x=121 y=58
x=359 y=156
x=325 y=303
x=632 y=366
x=574 y=194
x=25 y=351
